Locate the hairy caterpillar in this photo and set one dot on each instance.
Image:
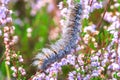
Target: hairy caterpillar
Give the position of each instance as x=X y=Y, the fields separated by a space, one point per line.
x=64 y=45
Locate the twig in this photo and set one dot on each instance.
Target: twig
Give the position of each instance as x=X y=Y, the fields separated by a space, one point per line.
x=99 y=23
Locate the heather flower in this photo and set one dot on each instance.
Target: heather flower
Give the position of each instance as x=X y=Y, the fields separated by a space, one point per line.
x=0 y=33
x=15 y=39
x=71 y=76
x=114 y=66
x=5 y=1
x=71 y=59
x=103 y=63
x=114 y=79
x=64 y=12
x=57 y=65
x=69 y=2
x=94 y=58
x=63 y=61
x=90 y=28
x=14 y=74
x=116 y=5
x=96 y=5
x=20 y=58
x=95 y=64
x=95 y=73
x=7 y=62
x=9 y=39
x=118 y=74
x=108 y=17
x=13 y=69
x=78 y=77
x=19 y=22
x=81 y=62
x=29 y=31
x=60 y=5
x=87 y=77
x=100 y=69
x=3 y=10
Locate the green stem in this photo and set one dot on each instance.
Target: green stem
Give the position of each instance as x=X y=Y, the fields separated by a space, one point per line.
x=7 y=71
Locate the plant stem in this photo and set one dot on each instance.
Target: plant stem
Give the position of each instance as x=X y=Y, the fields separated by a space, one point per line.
x=7 y=71
x=107 y=6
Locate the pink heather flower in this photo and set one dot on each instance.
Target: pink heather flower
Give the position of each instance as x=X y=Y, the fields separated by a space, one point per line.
x=54 y=68
x=19 y=22
x=116 y=5
x=50 y=8
x=114 y=18
x=7 y=62
x=63 y=61
x=0 y=32
x=95 y=73
x=71 y=59
x=94 y=58
x=14 y=74
x=95 y=64
x=56 y=65
x=13 y=69
x=103 y=63
x=14 y=55
x=90 y=28
x=3 y=22
x=64 y=12
x=8 y=19
x=3 y=10
x=96 y=5
x=113 y=55
x=29 y=30
x=6 y=35
x=20 y=58
x=5 y=1
x=70 y=76
x=79 y=58
x=8 y=58
x=118 y=49
x=86 y=14
x=62 y=22
x=108 y=17
x=69 y=2
x=78 y=77
x=115 y=25
x=115 y=0
x=23 y=72
x=47 y=78
x=60 y=5
x=114 y=66
x=81 y=62
x=118 y=74
x=15 y=39
x=87 y=77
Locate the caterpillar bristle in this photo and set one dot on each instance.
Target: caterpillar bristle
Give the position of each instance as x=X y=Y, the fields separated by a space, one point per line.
x=47 y=52
x=66 y=44
x=38 y=63
x=39 y=55
x=55 y=48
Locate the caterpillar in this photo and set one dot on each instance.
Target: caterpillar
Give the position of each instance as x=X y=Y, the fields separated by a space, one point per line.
x=65 y=44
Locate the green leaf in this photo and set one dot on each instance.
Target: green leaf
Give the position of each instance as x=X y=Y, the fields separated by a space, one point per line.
x=85 y=22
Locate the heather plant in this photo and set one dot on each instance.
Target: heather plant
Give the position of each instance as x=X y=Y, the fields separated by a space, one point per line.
x=82 y=42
